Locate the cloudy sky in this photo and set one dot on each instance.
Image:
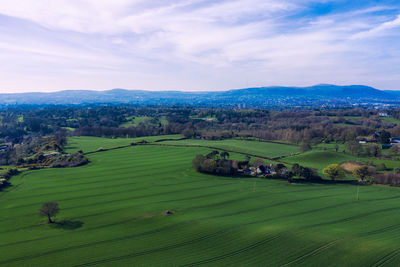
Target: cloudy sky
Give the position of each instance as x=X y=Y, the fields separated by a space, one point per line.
x=51 y=45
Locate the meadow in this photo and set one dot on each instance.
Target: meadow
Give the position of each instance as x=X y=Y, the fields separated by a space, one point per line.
x=112 y=213
x=91 y=143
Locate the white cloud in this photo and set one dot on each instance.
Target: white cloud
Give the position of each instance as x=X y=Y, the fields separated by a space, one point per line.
x=167 y=43
x=379 y=30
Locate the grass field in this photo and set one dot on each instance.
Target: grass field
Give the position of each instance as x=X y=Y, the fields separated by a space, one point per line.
x=390 y=120
x=111 y=214
x=89 y=143
x=135 y=121
x=265 y=149
x=320 y=159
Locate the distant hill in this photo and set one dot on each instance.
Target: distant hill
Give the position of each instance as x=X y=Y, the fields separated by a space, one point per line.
x=252 y=97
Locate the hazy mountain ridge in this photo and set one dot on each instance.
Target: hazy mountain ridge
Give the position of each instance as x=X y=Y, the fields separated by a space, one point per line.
x=257 y=97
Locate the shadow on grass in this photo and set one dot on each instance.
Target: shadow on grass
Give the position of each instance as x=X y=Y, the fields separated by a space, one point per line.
x=67 y=224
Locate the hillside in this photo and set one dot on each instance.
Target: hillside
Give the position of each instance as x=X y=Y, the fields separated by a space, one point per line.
x=252 y=97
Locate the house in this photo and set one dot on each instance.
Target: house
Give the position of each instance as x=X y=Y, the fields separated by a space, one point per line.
x=265 y=169
x=383 y=114
x=395 y=140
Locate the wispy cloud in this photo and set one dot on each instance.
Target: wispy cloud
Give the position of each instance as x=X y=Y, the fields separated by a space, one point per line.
x=379 y=30
x=196 y=44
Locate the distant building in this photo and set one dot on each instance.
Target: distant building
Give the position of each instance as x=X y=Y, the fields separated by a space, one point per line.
x=395 y=140
x=383 y=114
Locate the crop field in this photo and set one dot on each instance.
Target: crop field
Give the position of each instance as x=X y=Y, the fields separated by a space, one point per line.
x=265 y=149
x=112 y=213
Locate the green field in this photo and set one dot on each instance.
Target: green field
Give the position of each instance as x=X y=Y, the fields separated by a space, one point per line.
x=265 y=149
x=112 y=214
x=90 y=143
x=135 y=121
x=390 y=120
x=320 y=159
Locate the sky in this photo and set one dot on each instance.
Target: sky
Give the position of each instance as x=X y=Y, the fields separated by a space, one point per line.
x=197 y=45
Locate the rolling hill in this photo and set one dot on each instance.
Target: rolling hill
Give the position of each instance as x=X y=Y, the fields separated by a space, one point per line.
x=252 y=97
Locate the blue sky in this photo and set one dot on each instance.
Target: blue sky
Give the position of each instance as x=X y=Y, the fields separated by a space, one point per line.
x=51 y=45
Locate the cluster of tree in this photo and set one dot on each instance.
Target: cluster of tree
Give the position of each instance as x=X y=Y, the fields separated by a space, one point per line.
x=218 y=163
x=356 y=149
x=305 y=172
x=40 y=152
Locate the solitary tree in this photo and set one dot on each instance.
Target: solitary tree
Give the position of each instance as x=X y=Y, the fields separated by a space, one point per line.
x=361 y=172
x=336 y=147
x=333 y=171
x=49 y=209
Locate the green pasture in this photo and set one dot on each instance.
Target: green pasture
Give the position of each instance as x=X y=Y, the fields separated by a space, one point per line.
x=320 y=159
x=90 y=143
x=112 y=215
x=265 y=149
x=135 y=121
x=390 y=120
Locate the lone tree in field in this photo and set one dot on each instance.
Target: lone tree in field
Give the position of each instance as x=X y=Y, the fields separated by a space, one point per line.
x=49 y=209
x=333 y=171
